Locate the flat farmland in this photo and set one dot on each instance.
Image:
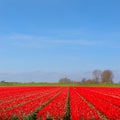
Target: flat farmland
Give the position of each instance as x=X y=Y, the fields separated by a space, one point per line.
x=59 y=103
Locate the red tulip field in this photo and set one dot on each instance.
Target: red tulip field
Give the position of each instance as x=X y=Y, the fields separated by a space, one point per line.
x=59 y=103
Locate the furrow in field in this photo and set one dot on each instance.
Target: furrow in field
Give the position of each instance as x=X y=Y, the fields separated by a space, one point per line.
x=113 y=92
x=28 y=107
x=56 y=108
x=80 y=108
x=19 y=93
x=22 y=99
x=112 y=100
x=105 y=107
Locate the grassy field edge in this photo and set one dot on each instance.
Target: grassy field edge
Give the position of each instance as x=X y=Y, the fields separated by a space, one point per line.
x=58 y=84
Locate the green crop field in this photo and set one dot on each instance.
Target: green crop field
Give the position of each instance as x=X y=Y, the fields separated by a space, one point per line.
x=58 y=84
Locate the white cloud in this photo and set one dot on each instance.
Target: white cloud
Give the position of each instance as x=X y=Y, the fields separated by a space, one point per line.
x=22 y=40
x=31 y=41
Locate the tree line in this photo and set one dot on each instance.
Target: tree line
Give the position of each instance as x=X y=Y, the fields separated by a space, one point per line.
x=99 y=76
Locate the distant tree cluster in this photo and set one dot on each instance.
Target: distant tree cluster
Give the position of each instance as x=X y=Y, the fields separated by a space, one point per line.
x=99 y=76
x=3 y=81
x=65 y=80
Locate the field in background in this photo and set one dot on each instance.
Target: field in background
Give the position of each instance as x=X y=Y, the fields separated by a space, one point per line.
x=57 y=84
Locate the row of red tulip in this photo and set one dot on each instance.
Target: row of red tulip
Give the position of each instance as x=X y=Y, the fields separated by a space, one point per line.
x=106 y=107
x=11 y=93
x=56 y=108
x=15 y=93
x=85 y=102
x=107 y=97
x=30 y=104
x=80 y=109
x=113 y=92
x=18 y=102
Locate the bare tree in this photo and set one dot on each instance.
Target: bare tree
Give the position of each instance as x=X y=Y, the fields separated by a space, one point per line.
x=96 y=75
x=107 y=76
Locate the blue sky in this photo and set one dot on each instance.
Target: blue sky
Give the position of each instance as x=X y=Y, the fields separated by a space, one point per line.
x=59 y=35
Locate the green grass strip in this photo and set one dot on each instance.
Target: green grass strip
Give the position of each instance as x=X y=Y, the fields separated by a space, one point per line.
x=67 y=115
